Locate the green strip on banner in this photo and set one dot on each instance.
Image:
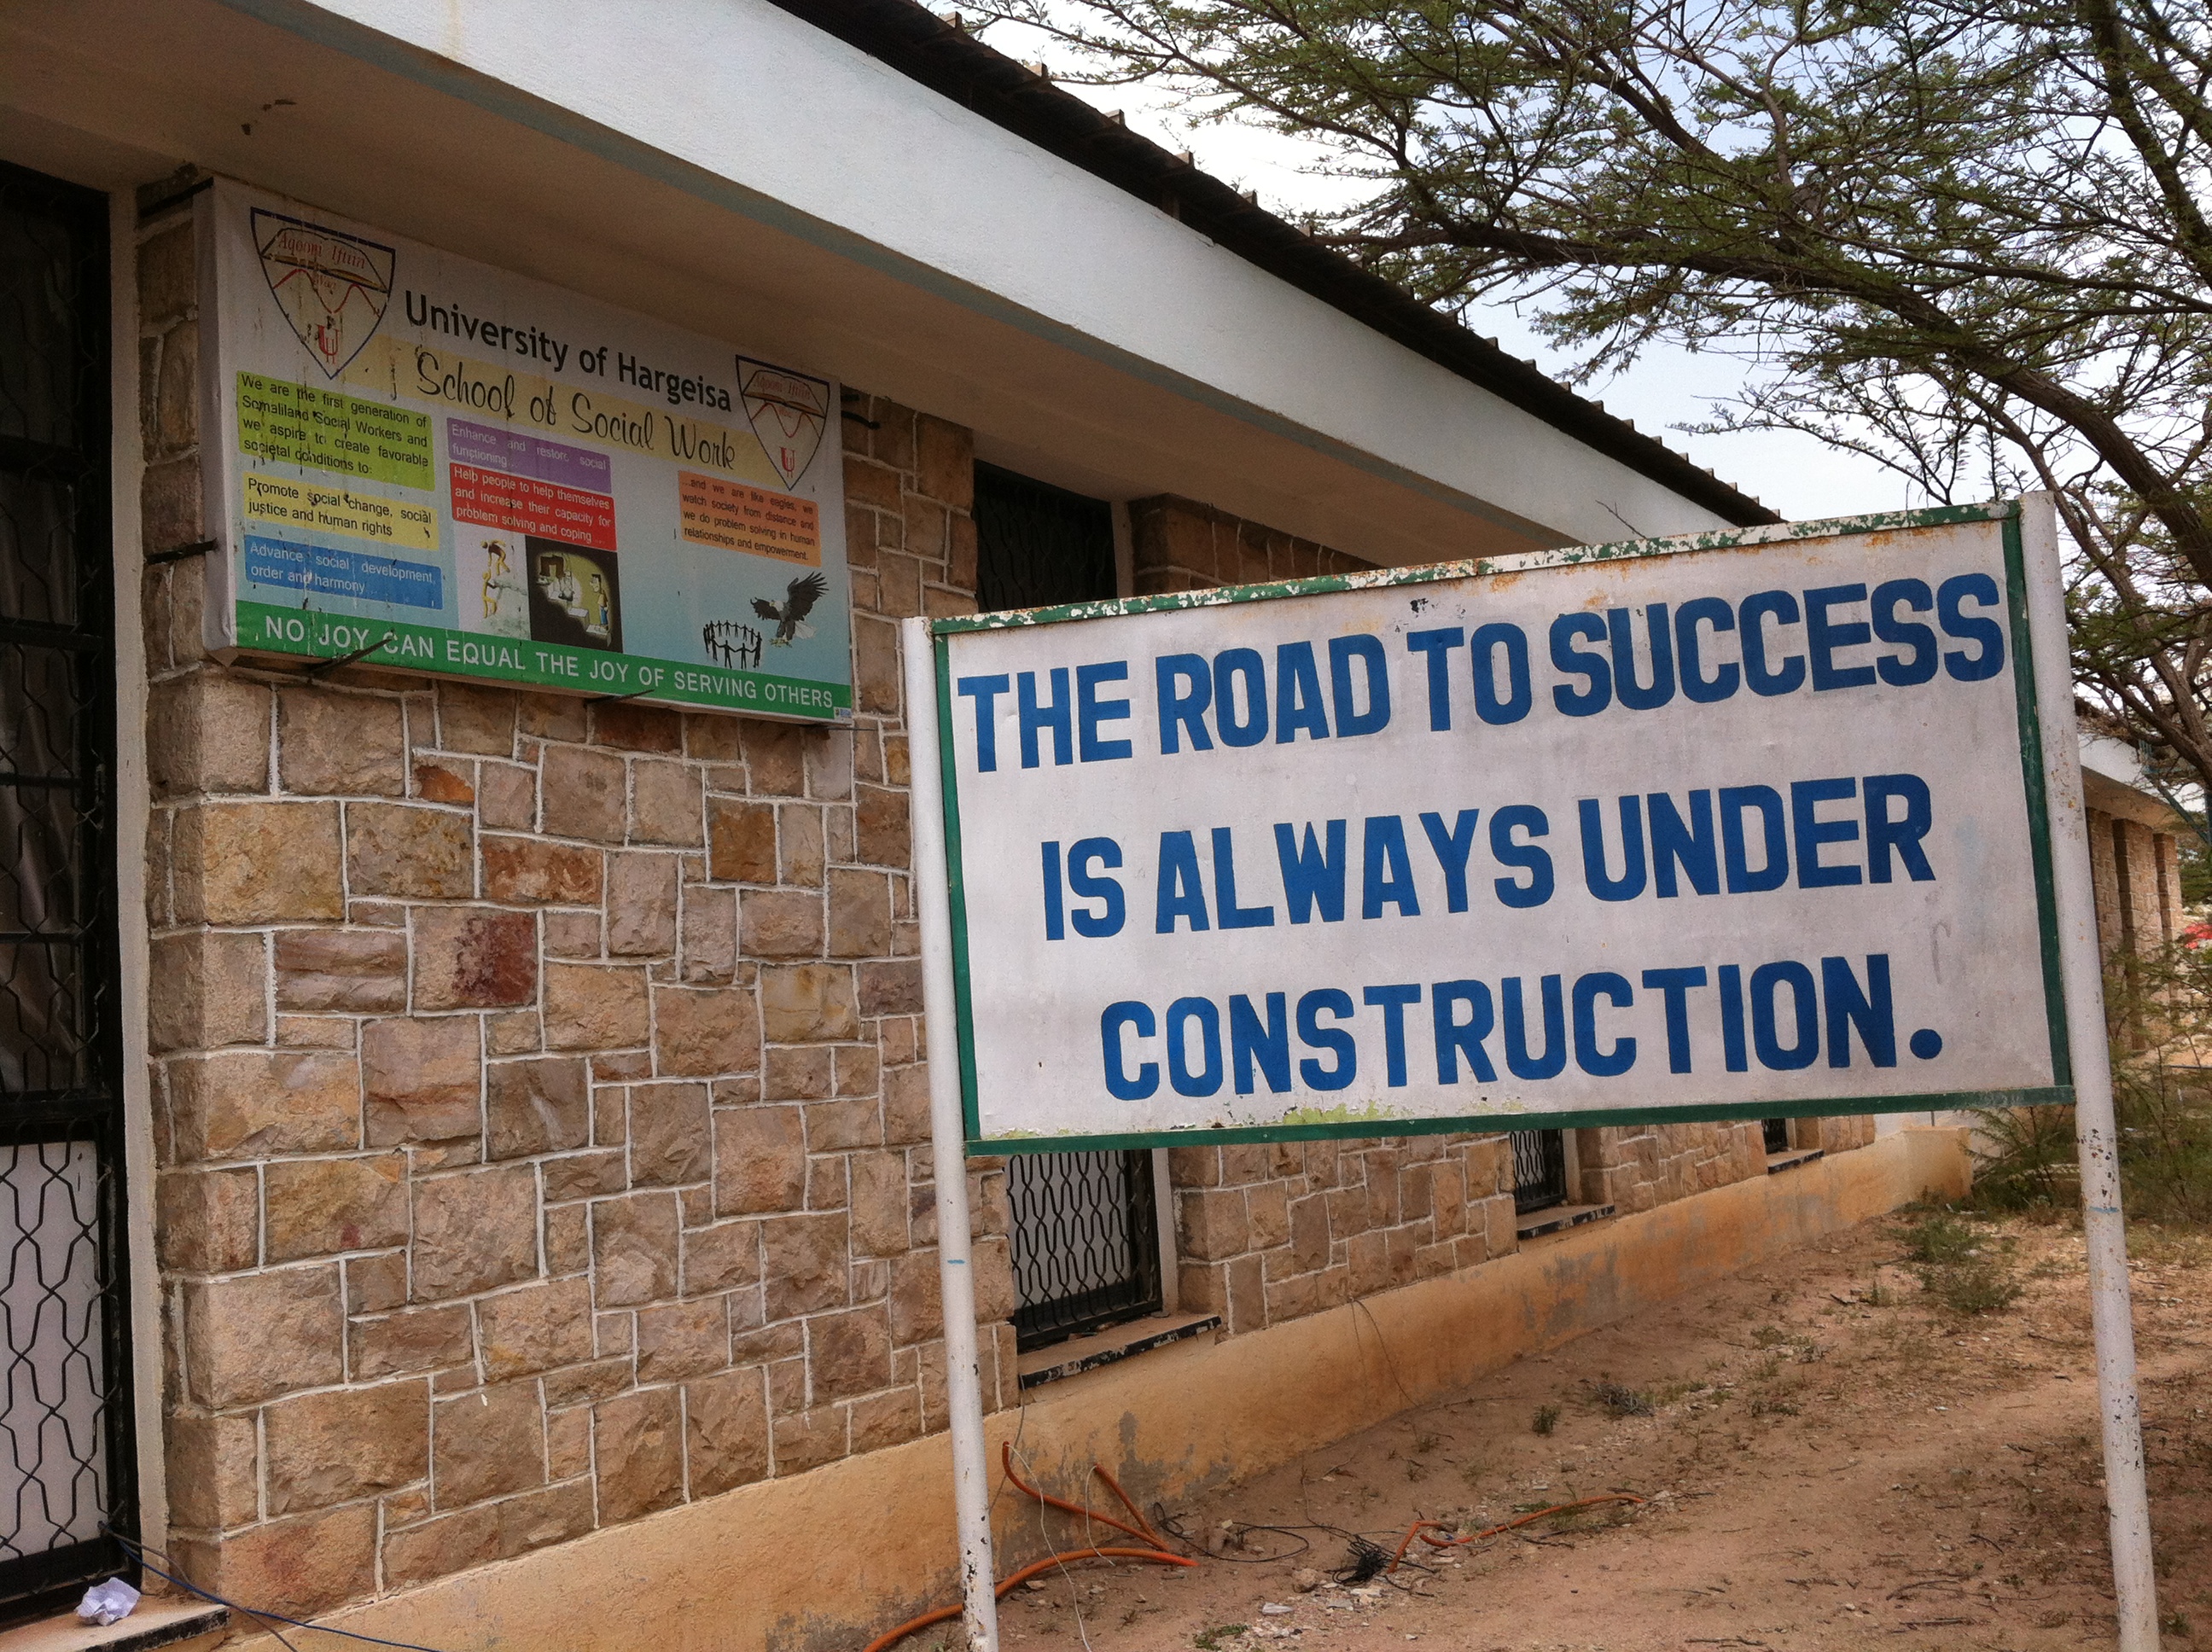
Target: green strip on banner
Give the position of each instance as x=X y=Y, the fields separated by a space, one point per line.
x=299 y=424
x=264 y=628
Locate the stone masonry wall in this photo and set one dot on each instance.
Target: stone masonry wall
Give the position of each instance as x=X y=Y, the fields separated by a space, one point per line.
x=1182 y=545
x=2136 y=876
x=535 y=1081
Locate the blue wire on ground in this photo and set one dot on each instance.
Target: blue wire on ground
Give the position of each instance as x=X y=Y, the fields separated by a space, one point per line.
x=141 y=1552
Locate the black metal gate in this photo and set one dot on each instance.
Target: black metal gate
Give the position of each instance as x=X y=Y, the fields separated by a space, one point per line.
x=66 y=1456
x=1539 y=1170
x=1086 y=1242
x=1776 y=1132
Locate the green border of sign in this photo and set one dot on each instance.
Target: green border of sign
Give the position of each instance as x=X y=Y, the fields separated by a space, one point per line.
x=2007 y=513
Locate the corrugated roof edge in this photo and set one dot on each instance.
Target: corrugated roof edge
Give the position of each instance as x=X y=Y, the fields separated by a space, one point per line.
x=944 y=56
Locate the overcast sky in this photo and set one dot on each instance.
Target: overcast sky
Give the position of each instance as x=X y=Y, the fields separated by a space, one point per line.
x=1801 y=477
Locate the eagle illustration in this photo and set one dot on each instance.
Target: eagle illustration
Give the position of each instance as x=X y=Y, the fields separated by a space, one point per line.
x=799 y=597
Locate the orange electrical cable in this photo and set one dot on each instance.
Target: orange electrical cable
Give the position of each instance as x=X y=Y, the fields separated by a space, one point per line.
x=1135 y=1513
x=1422 y=1529
x=944 y=1613
x=1006 y=1461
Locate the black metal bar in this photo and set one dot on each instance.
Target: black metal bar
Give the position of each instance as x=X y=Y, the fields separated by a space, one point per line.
x=331 y=665
x=1086 y=1242
x=1777 y=1133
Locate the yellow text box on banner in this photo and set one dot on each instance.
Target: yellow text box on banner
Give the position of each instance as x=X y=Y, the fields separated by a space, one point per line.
x=340 y=510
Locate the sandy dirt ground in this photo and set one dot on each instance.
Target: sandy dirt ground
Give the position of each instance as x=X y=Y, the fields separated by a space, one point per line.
x=1831 y=1459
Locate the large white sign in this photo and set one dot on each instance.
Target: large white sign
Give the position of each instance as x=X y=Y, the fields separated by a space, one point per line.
x=1690 y=830
x=430 y=463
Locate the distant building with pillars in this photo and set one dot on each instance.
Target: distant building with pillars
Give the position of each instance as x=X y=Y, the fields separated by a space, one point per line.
x=2135 y=845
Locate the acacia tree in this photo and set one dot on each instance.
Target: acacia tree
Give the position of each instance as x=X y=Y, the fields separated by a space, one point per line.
x=1971 y=237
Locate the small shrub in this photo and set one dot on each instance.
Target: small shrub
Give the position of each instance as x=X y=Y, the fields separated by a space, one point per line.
x=1546 y=1419
x=1981 y=1284
x=1210 y=1640
x=1622 y=1401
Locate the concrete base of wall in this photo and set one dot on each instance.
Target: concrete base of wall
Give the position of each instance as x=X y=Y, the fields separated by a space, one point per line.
x=819 y=1561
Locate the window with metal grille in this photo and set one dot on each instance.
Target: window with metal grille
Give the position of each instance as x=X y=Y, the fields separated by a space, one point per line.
x=1777 y=1134
x=1085 y=1225
x=66 y=1458
x=1539 y=1170
x=1037 y=545
x=1086 y=1242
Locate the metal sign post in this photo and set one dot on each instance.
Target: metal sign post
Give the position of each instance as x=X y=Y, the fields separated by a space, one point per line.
x=956 y=1274
x=2104 y=1231
x=1782 y=822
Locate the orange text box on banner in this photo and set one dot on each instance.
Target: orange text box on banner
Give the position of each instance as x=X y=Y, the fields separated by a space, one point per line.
x=526 y=504
x=736 y=517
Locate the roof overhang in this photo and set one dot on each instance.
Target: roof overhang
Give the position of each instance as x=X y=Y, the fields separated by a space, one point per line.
x=731 y=168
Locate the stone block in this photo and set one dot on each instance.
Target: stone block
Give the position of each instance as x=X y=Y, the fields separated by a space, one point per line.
x=396 y=848
x=249 y=1103
x=665 y=804
x=878 y=1204
x=881 y=824
x=553 y=716
x=809 y=1003
x=444 y=780
x=208 y=988
x=775 y=757
x=474 y=958
x=423 y=1078
x=915 y=1304
x=475 y=1231
x=476 y=719
x=803 y=1264
x=207 y=732
x=414 y=1340
x=670 y=1139
x=331 y=1448
x=760 y=1160
x=213 y=1470
x=596 y=1007
x=798 y=1074
x=208 y=1221
x=688 y=1338
x=633 y=727
x=641 y=905
x=542 y=1106
x=538 y=1327
x=808 y=1439
x=490 y=1442
x=708 y=954
x=634 y=1248
x=316 y=1207
x=848 y=1353
x=435 y=1548
x=524 y=871
x=726 y=1431
x=781 y=924
x=945 y=461
x=358 y=971
x=574 y=934
x=638 y=1444
x=587 y=1176
x=860 y=915
x=330 y=743
x=585 y=793
x=799 y=851
x=723 y=1257
x=301 y=1566
x=373 y=1283
x=169 y=504
x=1211 y=1223
x=852 y=1121
x=507 y=796
x=251 y=1337
x=701 y=1031
x=740 y=841
x=248 y=863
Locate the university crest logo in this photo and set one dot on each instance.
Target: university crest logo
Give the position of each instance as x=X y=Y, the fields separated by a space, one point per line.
x=787 y=412
x=332 y=288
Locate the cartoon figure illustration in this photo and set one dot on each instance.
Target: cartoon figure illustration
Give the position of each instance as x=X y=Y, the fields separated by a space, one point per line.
x=499 y=577
x=799 y=597
x=595 y=612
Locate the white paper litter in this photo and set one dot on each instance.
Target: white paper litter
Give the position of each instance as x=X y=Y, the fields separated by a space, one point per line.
x=107 y=1603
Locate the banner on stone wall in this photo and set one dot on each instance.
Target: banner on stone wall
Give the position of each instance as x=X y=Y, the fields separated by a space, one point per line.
x=430 y=463
x=1741 y=826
